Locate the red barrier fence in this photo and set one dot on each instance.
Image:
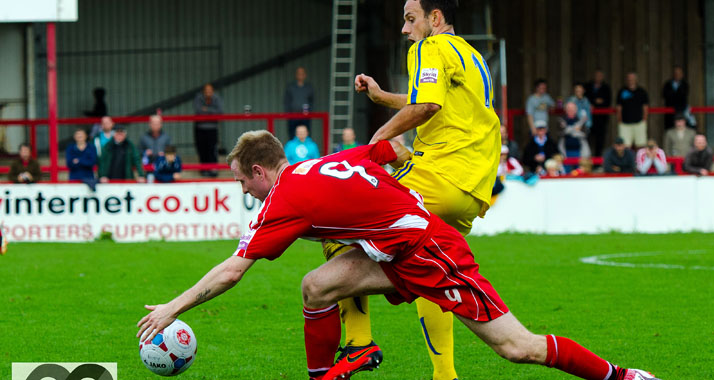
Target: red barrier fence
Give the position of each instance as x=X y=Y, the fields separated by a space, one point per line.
x=269 y=118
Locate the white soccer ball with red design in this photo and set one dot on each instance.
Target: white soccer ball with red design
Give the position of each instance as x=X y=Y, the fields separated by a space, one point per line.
x=171 y=351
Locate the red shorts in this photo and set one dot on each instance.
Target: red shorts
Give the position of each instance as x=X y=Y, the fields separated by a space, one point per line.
x=444 y=271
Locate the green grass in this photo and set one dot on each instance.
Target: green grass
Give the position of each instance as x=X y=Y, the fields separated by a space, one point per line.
x=81 y=302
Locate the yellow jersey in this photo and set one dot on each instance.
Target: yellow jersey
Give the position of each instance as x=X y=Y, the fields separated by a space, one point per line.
x=461 y=142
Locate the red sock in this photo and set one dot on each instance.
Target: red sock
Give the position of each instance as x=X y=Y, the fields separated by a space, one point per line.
x=568 y=356
x=322 y=337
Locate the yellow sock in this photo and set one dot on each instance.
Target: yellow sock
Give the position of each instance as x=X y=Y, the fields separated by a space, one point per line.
x=355 y=316
x=353 y=311
x=438 y=330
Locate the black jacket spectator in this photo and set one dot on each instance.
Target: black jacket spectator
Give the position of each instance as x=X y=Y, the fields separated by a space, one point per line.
x=632 y=102
x=697 y=160
x=619 y=163
x=675 y=93
x=533 y=148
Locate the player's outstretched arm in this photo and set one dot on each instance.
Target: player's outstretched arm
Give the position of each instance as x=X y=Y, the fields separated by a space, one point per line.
x=407 y=118
x=219 y=279
x=365 y=83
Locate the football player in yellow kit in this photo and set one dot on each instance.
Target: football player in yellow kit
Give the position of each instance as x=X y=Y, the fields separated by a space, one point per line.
x=455 y=158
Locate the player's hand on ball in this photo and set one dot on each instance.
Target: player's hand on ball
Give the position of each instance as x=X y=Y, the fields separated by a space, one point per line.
x=160 y=317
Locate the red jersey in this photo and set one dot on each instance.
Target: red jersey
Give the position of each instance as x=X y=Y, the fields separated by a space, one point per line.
x=346 y=196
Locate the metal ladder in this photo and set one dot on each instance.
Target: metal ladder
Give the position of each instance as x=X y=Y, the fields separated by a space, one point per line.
x=342 y=67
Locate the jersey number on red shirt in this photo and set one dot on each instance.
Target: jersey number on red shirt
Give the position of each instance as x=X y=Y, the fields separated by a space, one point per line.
x=330 y=169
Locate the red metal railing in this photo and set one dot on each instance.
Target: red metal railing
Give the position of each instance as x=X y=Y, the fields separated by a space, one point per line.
x=269 y=118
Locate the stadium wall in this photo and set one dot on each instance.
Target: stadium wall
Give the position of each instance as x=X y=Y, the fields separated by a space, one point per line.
x=144 y=52
x=602 y=205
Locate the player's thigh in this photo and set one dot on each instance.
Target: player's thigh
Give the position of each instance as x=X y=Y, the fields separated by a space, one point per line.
x=350 y=274
x=454 y=206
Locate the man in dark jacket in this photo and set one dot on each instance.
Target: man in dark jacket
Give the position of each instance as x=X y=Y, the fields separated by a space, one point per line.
x=699 y=160
x=600 y=96
x=539 y=148
x=619 y=158
x=119 y=159
x=299 y=97
x=25 y=169
x=675 y=93
x=205 y=133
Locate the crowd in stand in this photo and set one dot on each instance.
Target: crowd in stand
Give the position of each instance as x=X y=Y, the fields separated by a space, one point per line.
x=107 y=149
x=578 y=135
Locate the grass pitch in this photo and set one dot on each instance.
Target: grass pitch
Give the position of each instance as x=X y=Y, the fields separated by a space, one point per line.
x=81 y=302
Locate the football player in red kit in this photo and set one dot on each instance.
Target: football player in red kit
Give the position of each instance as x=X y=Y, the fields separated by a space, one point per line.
x=407 y=252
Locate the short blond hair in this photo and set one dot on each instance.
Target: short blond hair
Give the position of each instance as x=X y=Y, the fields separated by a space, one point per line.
x=257 y=148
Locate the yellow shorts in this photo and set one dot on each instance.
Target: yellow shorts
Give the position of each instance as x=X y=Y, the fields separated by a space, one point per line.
x=453 y=205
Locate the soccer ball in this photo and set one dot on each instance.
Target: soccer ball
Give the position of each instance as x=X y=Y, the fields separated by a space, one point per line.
x=171 y=351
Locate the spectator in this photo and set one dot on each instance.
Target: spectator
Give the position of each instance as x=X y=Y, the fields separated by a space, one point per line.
x=100 y=106
x=301 y=147
x=513 y=150
x=680 y=140
x=539 y=149
x=25 y=169
x=699 y=160
x=651 y=159
x=619 y=158
x=675 y=93
x=154 y=141
x=104 y=135
x=538 y=105
x=348 y=140
x=205 y=133
x=119 y=159
x=508 y=165
x=559 y=158
x=632 y=110
x=299 y=97
x=551 y=168
x=574 y=142
x=585 y=167
x=99 y=109
x=81 y=158
x=583 y=103
x=167 y=168
x=600 y=96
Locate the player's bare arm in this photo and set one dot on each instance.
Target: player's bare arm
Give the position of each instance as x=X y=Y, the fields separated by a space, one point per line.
x=403 y=154
x=365 y=83
x=219 y=279
x=531 y=124
x=409 y=117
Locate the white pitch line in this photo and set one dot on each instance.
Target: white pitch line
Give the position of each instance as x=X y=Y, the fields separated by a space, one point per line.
x=603 y=260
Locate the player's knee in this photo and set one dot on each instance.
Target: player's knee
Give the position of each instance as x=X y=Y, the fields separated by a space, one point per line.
x=313 y=294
